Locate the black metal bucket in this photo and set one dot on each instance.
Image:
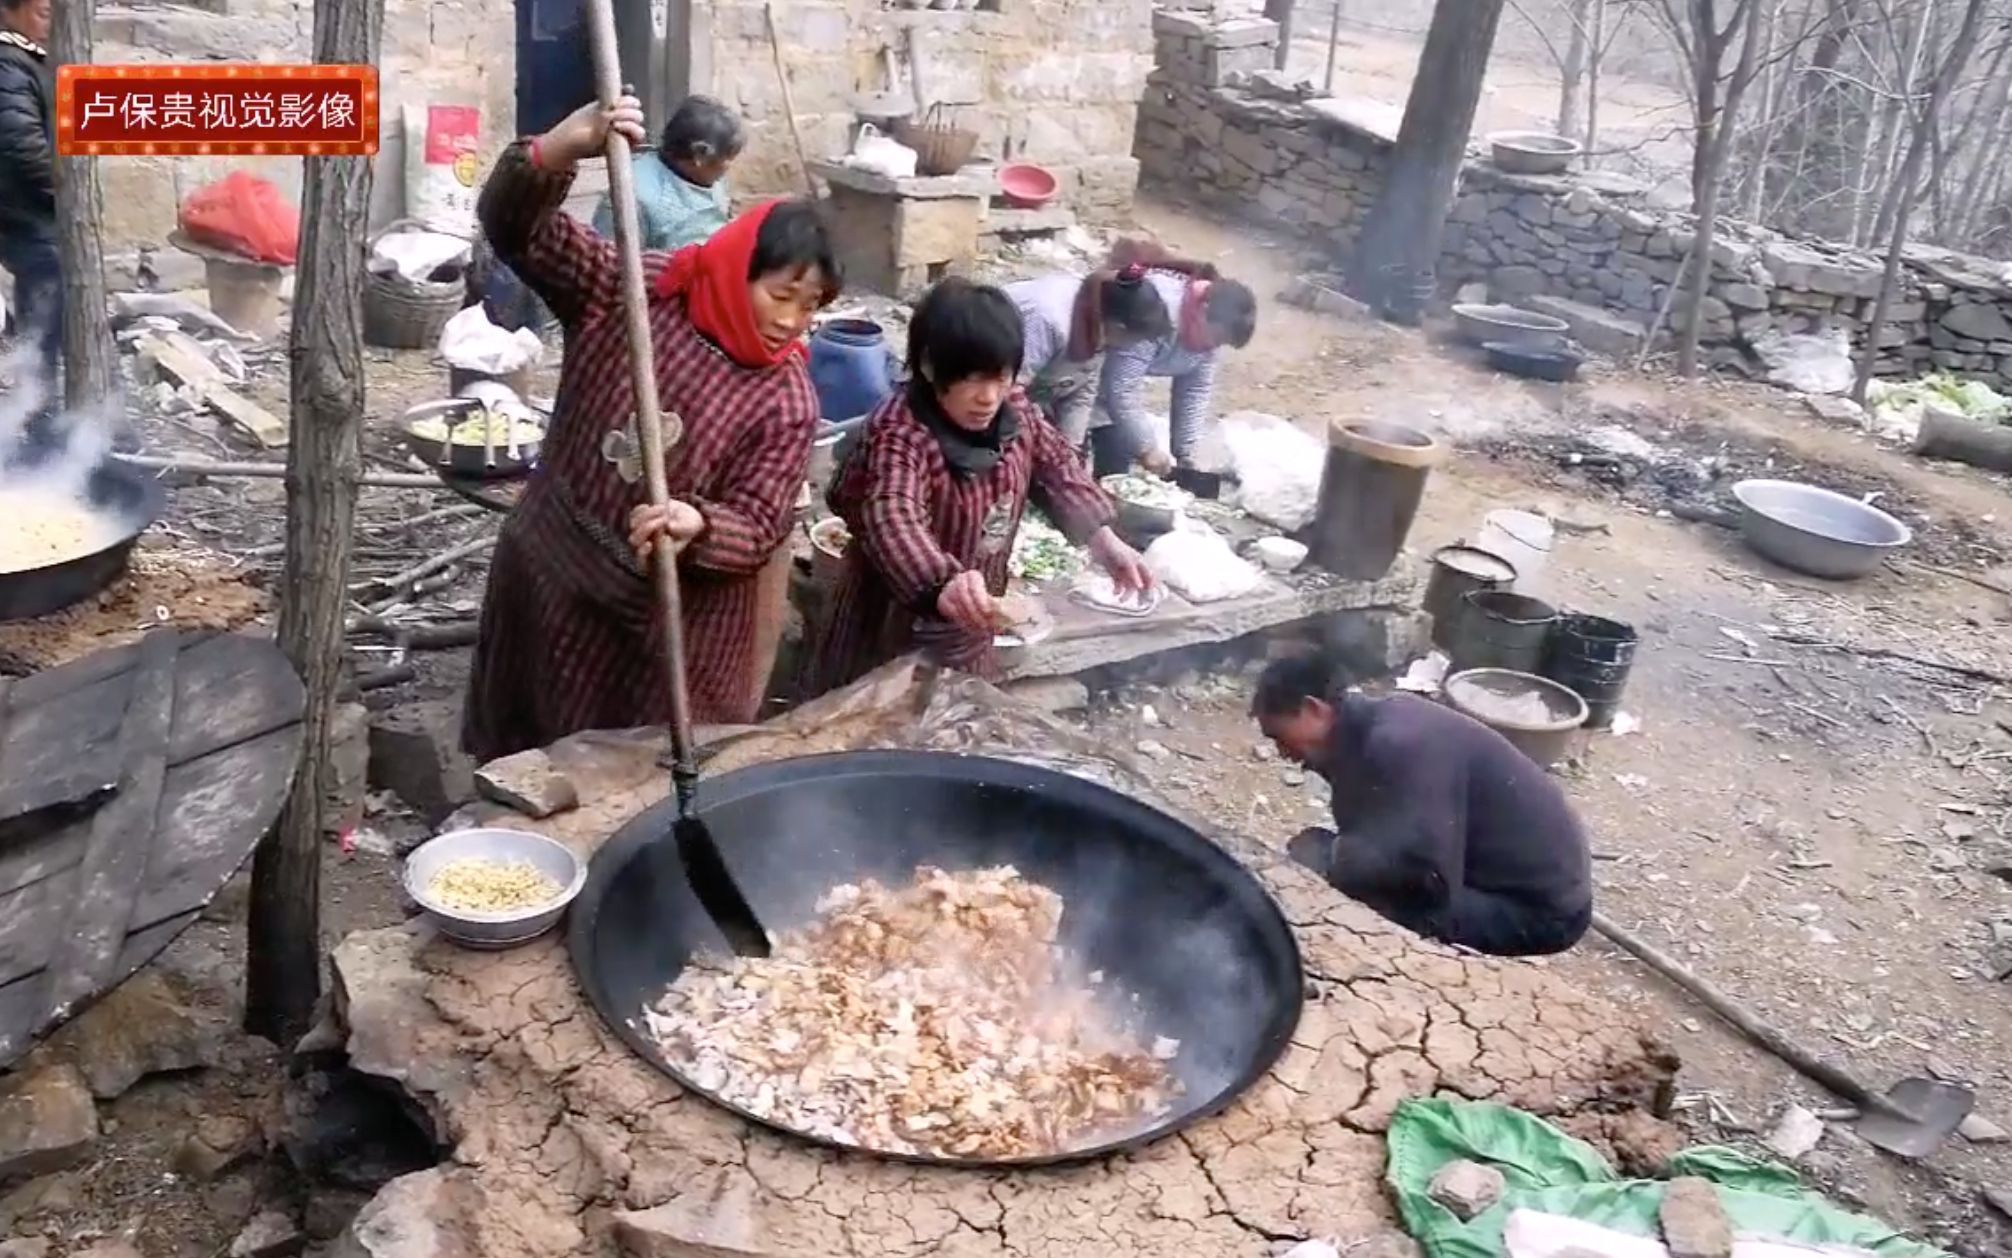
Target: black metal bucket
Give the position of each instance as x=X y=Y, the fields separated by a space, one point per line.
x=1592 y=656
x=1148 y=900
x=1458 y=571
x=1497 y=629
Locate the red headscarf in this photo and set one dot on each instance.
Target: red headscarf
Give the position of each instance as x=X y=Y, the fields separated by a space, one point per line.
x=712 y=277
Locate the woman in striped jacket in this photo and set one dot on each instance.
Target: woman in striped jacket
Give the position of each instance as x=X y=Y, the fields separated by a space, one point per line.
x=571 y=633
x=934 y=494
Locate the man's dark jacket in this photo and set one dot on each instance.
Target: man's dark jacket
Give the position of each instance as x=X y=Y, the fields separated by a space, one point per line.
x=27 y=143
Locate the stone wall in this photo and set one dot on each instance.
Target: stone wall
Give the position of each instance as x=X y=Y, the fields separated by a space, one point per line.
x=1051 y=81
x=1219 y=125
x=442 y=51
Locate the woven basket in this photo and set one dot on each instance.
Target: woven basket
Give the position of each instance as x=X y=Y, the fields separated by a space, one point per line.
x=399 y=313
x=940 y=149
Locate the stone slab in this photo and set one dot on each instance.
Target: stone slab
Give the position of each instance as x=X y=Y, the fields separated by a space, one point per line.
x=1003 y=220
x=973 y=181
x=1601 y=331
x=1085 y=639
x=565 y=1143
x=1365 y=117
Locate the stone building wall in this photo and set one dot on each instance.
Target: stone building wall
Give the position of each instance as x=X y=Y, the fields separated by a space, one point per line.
x=458 y=52
x=1219 y=125
x=1050 y=81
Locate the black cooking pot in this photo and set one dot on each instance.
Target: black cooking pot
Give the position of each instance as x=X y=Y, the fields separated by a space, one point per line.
x=124 y=493
x=1157 y=907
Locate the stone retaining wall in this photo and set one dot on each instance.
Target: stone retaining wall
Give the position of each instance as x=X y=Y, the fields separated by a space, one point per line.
x=1220 y=125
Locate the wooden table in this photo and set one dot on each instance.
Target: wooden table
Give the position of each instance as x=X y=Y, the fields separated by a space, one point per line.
x=196 y=737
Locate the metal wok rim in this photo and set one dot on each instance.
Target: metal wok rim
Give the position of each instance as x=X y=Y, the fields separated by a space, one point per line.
x=112 y=558
x=1271 y=1041
x=153 y=502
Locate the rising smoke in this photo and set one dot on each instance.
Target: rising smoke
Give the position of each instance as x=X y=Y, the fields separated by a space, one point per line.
x=44 y=447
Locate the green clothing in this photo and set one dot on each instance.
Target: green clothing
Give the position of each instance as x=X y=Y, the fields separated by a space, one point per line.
x=672 y=211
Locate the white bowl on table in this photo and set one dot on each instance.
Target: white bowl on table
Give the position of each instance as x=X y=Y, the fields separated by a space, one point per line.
x=509 y=927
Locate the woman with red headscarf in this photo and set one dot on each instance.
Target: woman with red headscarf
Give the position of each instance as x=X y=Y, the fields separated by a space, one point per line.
x=570 y=631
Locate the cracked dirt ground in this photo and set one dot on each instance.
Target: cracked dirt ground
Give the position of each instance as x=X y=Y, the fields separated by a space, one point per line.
x=565 y=1142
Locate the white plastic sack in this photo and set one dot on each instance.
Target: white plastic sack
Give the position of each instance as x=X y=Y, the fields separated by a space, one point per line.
x=1198 y=564
x=441 y=165
x=1815 y=362
x=1533 y=1234
x=882 y=155
x=417 y=253
x=472 y=343
x=1278 y=468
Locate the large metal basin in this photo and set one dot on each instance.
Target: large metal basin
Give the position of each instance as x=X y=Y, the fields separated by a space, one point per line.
x=1816 y=531
x=1159 y=908
x=1509 y=325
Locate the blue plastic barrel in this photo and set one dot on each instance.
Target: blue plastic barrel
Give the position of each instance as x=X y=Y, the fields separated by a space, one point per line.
x=850 y=367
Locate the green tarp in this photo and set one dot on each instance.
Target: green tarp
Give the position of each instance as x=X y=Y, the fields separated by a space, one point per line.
x=1549 y=1171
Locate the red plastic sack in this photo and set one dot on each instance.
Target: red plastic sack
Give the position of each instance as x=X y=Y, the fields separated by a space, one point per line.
x=244 y=215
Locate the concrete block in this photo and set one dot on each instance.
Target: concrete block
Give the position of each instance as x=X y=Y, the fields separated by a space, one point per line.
x=1249 y=32
x=933 y=232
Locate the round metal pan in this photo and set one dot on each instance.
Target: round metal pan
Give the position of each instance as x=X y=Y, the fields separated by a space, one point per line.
x=462 y=460
x=1147 y=899
x=127 y=494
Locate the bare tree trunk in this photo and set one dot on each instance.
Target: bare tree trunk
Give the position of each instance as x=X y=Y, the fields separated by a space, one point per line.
x=1987 y=170
x=1758 y=162
x=90 y=361
x=1898 y=111
x=1572 y=71
x=1889 y=281
x=1594 y=61
x=1333 y=47
x=1989 y=104
x=1715 y=144
x=1399 y=247
x=283 y=951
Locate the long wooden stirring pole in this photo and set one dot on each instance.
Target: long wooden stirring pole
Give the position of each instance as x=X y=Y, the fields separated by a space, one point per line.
x=710 y=879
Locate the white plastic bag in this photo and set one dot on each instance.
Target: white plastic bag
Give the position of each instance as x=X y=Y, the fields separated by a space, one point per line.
x=875 y=152
x=472 y=343
x=416 y=253
x=1278 y=468
x=1811 y=362
x=1197 y=563
x=441 y=167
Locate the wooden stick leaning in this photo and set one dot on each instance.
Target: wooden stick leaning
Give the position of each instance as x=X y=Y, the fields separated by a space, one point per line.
x=705 y=868
x=788 y=100
x=646 y=427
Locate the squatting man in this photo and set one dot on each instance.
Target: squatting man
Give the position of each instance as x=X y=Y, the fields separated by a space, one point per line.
x=1440 y=823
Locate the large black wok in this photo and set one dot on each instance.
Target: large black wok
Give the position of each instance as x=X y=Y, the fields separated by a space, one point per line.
x=1156 y=906
x=127 y=495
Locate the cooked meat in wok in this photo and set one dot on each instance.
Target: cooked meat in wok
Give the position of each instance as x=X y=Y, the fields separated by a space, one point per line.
x=940 y=1019
x=45 y=528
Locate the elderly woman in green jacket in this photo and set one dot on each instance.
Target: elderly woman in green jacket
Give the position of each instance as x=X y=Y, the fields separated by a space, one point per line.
x=681 y=198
